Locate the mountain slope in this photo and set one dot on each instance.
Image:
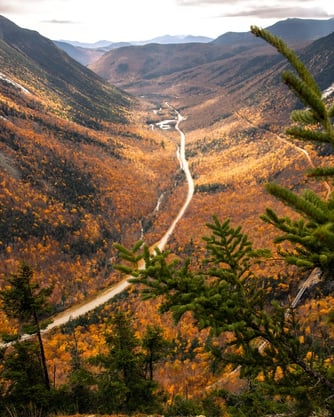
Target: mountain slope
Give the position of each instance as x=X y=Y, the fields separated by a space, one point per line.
x=74 y=163
x=200 y=73
x=320 y=58
x=82 y=55
x=301 y=30
x=140 y=63
x=292 y=31
x=59 y=73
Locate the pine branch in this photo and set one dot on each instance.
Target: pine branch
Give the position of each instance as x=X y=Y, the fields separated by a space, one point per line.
x=290 y=55
x=318 y=202
x=321 y=172
x=299 y=204
x=304 y=116
x=306 y=94
x=331 y=111
x=303 y=85
x=309 y=135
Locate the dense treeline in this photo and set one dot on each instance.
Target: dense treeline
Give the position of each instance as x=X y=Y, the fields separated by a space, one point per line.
x=118 y=376
x=282 y=354
x=68 y=192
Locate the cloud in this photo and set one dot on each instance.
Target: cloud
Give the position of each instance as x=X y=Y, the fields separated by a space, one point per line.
x=7 y=8
x=20 y=6
x=60 y=22
x=242 y=3
x=279 y=12
x=201 y=2
x=271 y=9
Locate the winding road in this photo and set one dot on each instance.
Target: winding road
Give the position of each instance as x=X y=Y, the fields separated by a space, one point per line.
x=181 y=155
x=79 y=310
x=108 y=294
x=103 y=297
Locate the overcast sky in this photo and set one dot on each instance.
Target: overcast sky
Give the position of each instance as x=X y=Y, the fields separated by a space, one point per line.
x=130 y=20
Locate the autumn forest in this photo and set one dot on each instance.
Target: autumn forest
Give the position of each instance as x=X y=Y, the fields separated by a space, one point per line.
x=89 y=182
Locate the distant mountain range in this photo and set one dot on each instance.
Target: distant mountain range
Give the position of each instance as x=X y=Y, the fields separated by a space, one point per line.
x=234 y=64
x=85 y=53
x=108 y=45
x=293 y=31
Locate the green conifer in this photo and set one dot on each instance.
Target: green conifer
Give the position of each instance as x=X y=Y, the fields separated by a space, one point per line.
x=312 y=235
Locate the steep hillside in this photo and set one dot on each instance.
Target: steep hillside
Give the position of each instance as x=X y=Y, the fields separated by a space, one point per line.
x=49 y=68
x=74 y=164
x=82 y=166
x=320 y=58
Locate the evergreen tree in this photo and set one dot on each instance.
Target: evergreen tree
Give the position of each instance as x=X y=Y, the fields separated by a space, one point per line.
x=23 y=378
x=213 y=294
x=312 y=235
x=25 y=301
x=289 y=369
x=225 y=296
x=122 y=386
x=82 y=397
x=155 y=347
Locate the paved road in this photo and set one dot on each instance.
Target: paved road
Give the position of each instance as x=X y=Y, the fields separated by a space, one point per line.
x=77 y=311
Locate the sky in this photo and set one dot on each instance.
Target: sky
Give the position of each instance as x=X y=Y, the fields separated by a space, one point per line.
x=139 y=20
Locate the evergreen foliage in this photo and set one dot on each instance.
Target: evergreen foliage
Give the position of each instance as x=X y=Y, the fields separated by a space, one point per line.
x=119 y=381
x=155 y=347
x=288 y=369
x=225 y=296
x=312 y=235
x=315 y=121
x=80 y=379
x=22 y=370
x=25 y=301
x=122 y=385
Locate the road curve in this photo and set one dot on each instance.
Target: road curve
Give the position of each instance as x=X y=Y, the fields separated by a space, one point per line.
x=77 y=311
x=181 y=154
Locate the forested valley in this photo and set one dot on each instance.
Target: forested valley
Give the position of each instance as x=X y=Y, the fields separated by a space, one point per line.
x=212 y=325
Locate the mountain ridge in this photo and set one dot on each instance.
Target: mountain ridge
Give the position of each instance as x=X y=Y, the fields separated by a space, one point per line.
x=85 y=53
x=75 y=179
x=72 y=158
x=292 y=30
x=164 y=39
x=57 y=71
x=199 y=71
